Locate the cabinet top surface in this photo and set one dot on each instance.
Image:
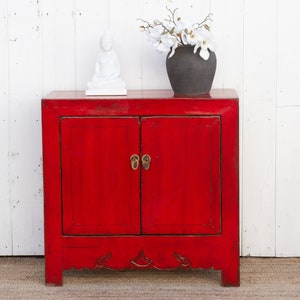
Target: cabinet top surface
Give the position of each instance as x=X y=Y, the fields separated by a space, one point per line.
x=143 y=94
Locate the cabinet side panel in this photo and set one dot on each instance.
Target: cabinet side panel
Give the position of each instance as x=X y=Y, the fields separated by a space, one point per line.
x=52 y=196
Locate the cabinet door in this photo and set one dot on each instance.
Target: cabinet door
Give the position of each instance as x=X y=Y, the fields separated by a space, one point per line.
x=181 y=189
x=100 y=190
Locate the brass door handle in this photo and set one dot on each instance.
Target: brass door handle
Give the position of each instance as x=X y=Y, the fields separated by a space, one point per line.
x=134 y=161
x=146 y=159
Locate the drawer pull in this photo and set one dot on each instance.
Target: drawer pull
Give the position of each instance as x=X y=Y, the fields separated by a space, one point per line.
x=134 y=161
x=146 y=159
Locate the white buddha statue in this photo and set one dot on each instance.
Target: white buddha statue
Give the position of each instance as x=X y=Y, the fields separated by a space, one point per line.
x=106 y=79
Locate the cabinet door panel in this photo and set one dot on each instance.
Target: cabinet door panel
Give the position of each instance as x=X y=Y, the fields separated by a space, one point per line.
x=181 y=189
x=100 y=190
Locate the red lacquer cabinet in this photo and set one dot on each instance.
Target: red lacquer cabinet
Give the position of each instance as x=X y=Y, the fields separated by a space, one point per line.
x=143 y=181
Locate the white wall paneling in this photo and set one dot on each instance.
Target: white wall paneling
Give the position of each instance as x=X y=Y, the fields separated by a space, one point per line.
x=58 y=44
x=51 y=44
x=288 y=84
x=24 y=44
x=5 y=212
x=288 y=129
x=90 y=19
x=227 y=28
x=258 y=125
x=127 y=39
x=287 y=183
x=228 y=15
x=154 y=74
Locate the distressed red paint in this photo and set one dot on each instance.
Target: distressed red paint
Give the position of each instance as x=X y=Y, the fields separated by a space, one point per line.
x=182 y=211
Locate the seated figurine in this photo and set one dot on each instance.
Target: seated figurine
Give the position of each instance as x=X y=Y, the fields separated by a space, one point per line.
x=106 y=79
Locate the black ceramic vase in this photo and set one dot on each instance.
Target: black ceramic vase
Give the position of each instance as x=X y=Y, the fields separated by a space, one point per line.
x=190 y=74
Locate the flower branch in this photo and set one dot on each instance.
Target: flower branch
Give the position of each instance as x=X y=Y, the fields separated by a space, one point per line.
x=172 y=32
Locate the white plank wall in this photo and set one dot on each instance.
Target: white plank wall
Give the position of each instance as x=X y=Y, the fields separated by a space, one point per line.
x=52 y=44
x=5 y=157
x=258 y=140
x=288 y=133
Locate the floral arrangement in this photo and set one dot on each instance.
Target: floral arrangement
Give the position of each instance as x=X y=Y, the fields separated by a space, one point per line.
x=172 y=32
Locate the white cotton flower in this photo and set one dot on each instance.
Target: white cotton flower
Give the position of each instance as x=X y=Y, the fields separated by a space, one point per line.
x=167 y=42
x=154 y=34
x=180 y=26
x=170 y=27
x=204 y=42
x=204 y=46
x=191 y=37
x=173 y=50
x=204 y=53
x=162 y=47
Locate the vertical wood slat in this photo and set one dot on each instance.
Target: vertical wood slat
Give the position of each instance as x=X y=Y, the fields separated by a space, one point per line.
x=90 y=20
x=288 y=128
x=258 y=127
x=58 y=45
x=127 y=39
x=5 y=217
x=288 y=83
x=227 y=28
x=25 y=143
x=154 y=73
x=287 y=182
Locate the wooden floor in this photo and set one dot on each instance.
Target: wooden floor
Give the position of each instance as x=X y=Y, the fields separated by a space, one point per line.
x=261 y=278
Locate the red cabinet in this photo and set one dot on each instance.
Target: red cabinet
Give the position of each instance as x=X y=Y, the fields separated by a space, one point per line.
x=143 y=181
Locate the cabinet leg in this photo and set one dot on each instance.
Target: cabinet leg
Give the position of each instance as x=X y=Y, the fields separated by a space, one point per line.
x=231 y=277
x=53 y=279
x=53 y=274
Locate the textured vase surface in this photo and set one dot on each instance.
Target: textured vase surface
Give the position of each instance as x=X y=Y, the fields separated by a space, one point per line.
x=190 y=74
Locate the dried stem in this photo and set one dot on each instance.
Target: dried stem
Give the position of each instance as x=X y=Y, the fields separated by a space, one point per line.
x=203 y=23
